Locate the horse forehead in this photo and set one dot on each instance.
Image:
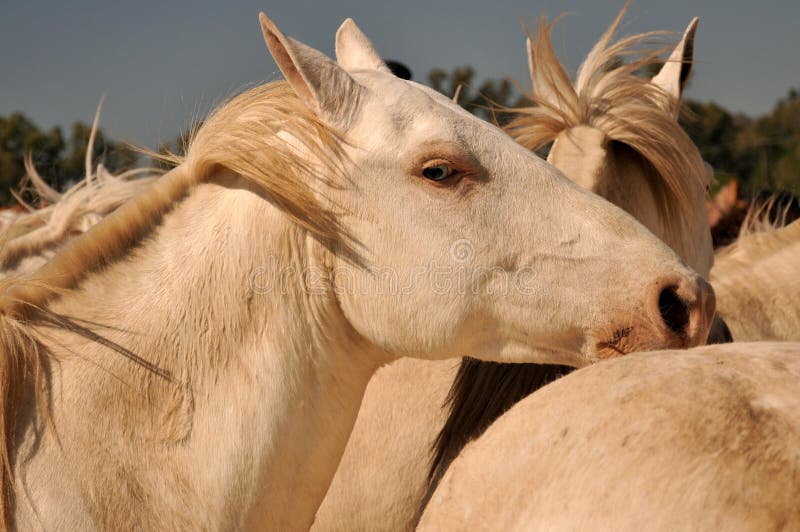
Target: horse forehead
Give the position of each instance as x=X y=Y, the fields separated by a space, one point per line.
x=412 y=106
x=392 y=90
x=582 y=136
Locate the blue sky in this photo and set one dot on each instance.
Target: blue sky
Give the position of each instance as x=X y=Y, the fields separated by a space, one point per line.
x=163 y=63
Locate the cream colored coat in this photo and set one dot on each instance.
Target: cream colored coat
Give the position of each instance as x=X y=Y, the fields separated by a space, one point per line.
x=197 y=359
x=758 y=286
x=705 y=439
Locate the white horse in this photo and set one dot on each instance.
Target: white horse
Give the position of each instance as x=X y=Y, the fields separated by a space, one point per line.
x=615 y=133
x=705 y=439
x=758 y=286
x=197 y=359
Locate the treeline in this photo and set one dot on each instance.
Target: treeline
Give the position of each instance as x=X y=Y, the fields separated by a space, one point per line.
x=763 y=153
x=58 y=157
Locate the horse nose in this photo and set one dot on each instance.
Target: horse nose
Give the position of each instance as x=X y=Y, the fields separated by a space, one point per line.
x=685 y=309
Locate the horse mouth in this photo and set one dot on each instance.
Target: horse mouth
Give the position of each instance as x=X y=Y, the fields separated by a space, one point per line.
x=615 y=347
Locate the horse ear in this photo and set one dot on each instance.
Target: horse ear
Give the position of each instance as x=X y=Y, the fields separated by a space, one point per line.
x=354 y=51
x=726 y=196
x=320 y=83
x=675 y=73
x=730 y=193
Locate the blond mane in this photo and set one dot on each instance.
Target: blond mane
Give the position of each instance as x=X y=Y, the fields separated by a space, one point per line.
x=765 y=216
x=623 y=105
x=242 y=137
x=70 y=213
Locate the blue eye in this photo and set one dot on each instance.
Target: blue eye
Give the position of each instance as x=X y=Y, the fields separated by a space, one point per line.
x=438 y=172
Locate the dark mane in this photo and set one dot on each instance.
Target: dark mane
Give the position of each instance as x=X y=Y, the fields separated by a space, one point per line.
x=481 y=393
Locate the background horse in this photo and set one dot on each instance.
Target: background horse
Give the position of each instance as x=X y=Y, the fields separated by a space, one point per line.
x=758 y=286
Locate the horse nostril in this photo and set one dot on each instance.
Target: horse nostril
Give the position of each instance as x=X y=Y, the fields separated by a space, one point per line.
x=673 y=310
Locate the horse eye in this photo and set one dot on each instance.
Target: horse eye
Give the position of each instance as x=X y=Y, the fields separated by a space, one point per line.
x=438 y=172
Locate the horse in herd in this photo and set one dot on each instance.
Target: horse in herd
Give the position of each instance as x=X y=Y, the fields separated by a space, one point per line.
x=241 y=342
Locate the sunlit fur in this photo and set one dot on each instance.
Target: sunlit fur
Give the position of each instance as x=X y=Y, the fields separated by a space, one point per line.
x=704 y=439
x=756 y=290
x=383 y=471
x=148 y=382
x=757 y=282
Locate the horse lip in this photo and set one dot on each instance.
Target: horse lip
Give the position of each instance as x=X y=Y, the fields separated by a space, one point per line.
x=613 y=345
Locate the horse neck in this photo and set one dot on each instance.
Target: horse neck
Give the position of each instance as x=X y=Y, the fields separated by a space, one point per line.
x=266 y=380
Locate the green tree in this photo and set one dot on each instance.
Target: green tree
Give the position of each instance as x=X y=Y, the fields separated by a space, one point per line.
x=716 y=132
x=18 y=136
x=115 y=156
x=777 y=141
x=60 y=161
x=763 y=153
